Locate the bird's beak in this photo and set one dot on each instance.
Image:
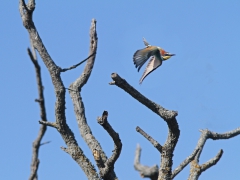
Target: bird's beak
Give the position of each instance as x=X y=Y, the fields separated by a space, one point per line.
x=167 y=56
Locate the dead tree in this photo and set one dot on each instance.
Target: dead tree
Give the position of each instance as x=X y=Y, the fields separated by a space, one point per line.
x=106 y=165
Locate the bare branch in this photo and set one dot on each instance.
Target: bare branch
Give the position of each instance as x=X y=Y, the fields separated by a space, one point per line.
x=226 y=135
x=109 y=164
x=145 y=171
x=165 y=170
x=212 y=161
x=51 y=124
x=206 y=134
x=37 y=143
x=33 y=59
x=197 y=169
x=159 y=110
x=74 y=66
x=66 y=133
x=47 y=142
x=184 y=163
x=82 y=80
x=149 y=138
x=79 y=109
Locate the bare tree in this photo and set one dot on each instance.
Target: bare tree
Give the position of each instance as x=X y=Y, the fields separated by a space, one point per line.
x=105 y=165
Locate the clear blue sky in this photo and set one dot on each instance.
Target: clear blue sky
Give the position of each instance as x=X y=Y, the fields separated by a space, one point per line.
x=202 y=82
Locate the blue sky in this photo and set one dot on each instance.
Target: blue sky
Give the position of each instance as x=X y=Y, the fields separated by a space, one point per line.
x=201 y=82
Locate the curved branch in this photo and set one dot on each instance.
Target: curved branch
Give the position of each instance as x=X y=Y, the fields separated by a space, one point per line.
x=159 y=110
x=145 y=171
x=226 y=135
x=79 y=109
x=82 y=80
x=76 y=65
x=206 y=134
x=197 y=169
x=109 y=164
x=212 y=161
x=165 y=170
x=150 y=139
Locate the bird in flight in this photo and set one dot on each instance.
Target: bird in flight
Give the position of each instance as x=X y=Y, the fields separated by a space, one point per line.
x=157 y=55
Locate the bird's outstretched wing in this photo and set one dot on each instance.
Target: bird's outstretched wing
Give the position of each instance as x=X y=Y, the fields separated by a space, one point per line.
x=142 y=55
x=153 y=64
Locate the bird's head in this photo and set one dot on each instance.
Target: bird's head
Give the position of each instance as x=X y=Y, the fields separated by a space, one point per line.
x=165 y=55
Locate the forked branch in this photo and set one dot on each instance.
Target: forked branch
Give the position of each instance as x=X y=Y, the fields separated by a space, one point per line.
x=197 y=169
x=165 y=170
x=184 y=163
x=79 y=109
x=73 y=149
x=109 y=164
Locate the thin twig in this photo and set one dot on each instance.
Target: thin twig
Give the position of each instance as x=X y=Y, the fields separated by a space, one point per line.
x=74 y=66
x=47 y=123
x=150 y=139
x=37 y=143
x=45 y=143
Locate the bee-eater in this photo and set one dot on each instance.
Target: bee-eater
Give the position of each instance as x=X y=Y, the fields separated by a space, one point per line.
x=157 y=55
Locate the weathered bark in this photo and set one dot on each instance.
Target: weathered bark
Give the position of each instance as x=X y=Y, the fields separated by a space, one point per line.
x=37 y=143
x=79 y=109
x=165 y=170
x=184 y=163
x=72 y=149
x=195 y=168
x=145 y=171
x=108 y=166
